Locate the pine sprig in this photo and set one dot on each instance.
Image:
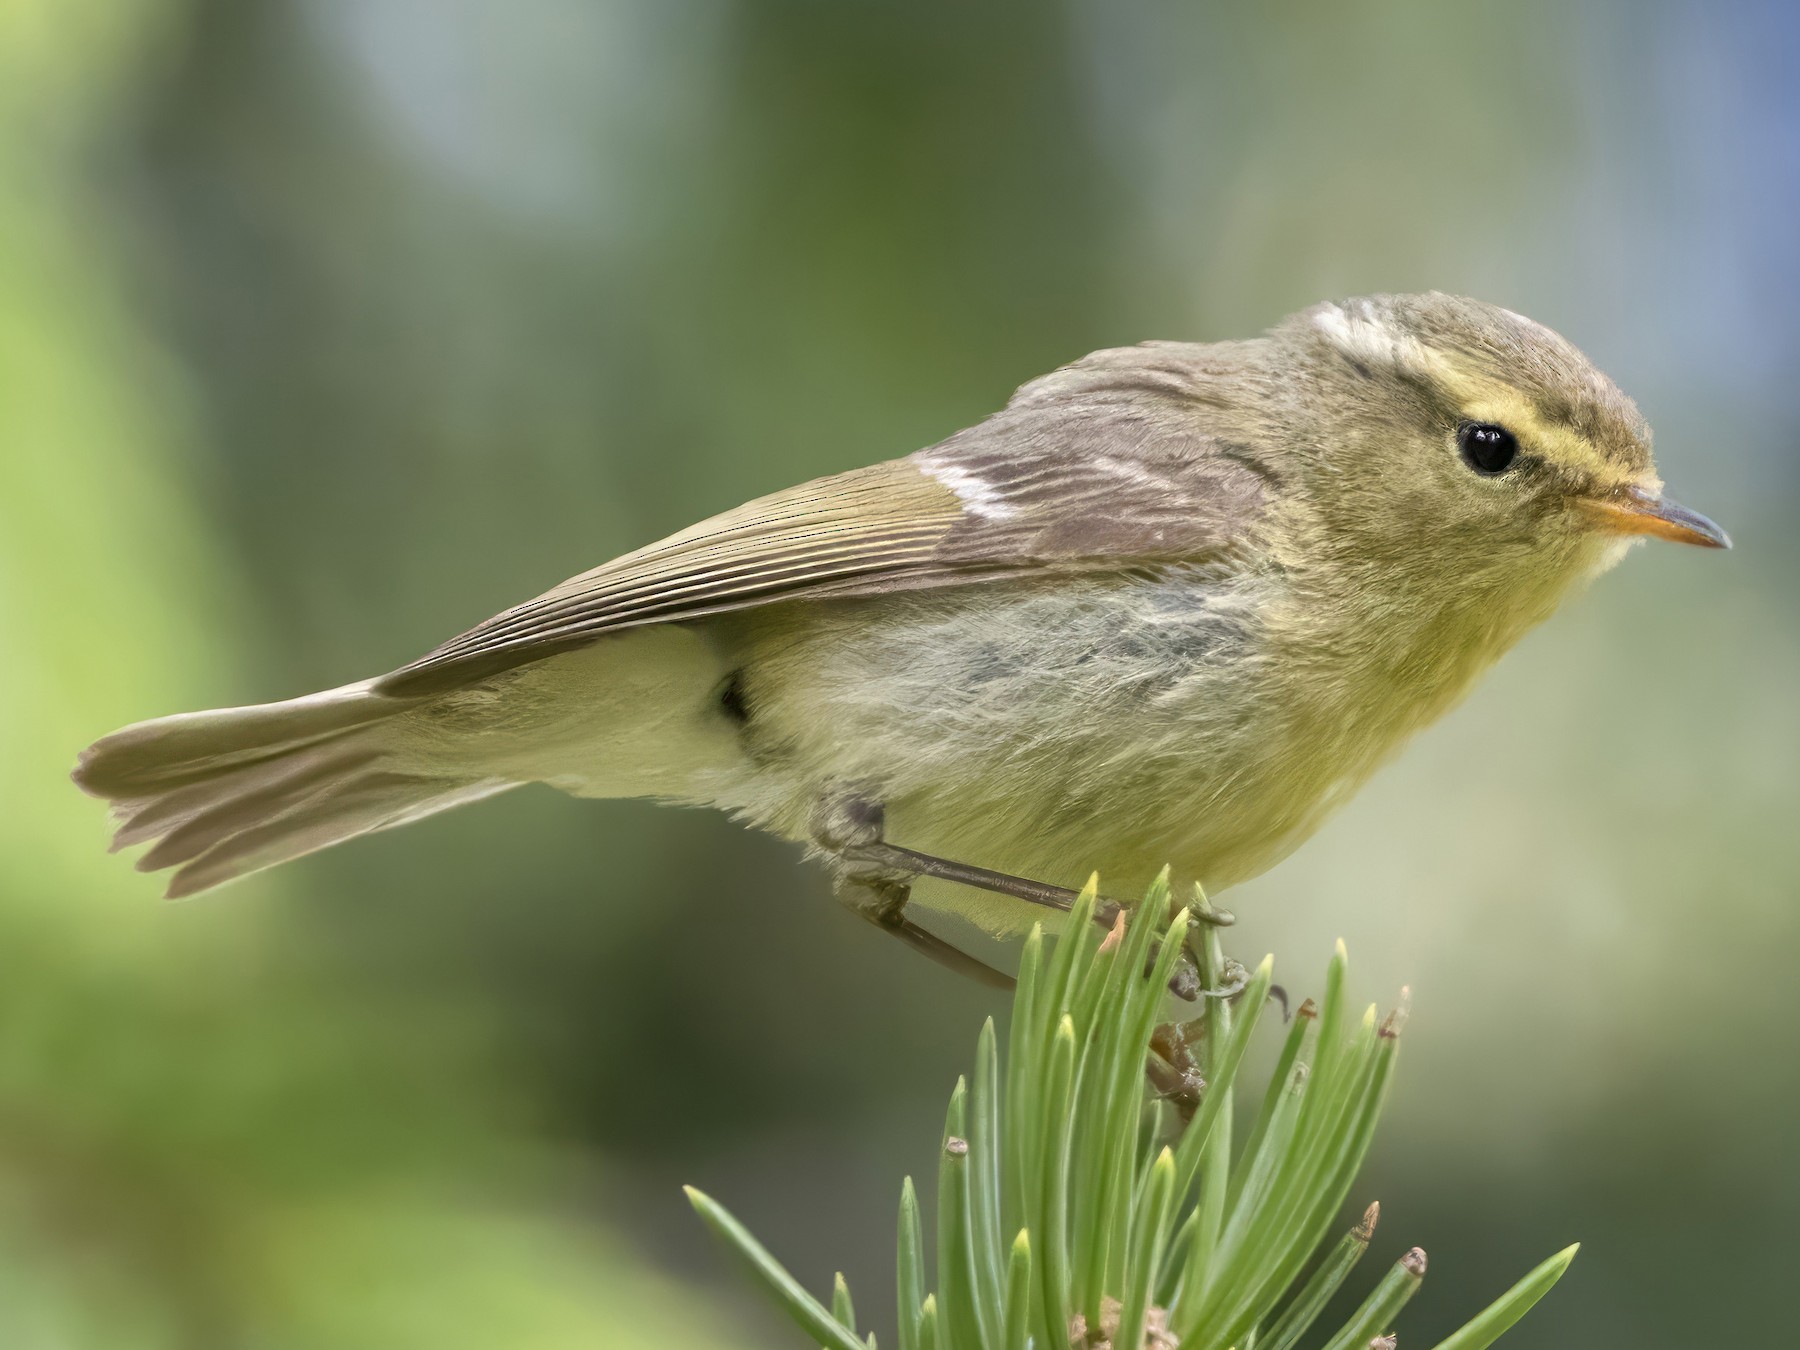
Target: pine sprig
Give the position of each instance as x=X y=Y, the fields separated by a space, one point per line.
x=1066 y=1218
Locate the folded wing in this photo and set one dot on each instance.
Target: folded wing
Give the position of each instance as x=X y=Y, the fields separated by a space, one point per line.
x=1087 y=484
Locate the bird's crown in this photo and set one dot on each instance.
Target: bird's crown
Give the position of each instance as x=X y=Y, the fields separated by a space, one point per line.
x=1493 y=366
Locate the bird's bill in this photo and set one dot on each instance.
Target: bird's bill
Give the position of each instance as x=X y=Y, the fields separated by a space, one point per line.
x=1634 y=511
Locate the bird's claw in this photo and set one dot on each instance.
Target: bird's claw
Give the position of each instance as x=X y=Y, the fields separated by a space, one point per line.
x=1204 y=911
x=1185 y=982
x=1236 y=980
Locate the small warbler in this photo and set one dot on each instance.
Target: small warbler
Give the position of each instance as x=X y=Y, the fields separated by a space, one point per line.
x=1173 y=603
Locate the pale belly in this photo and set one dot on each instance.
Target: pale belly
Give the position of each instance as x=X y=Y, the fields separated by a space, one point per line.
x=1049 y=729
x=1046 y=732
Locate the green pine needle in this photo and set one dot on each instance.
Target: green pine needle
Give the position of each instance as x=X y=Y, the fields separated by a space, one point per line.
x=1131 y=1226
x=1304 y=1309
x=1018 y=1294
x=1499 y=1315
x=811 y=1316
x=841 y=1307
x=1379 y=1310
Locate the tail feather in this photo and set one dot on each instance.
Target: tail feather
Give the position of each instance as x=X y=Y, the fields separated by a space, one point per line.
x=269 y=784
x=190 y=747
x=234 y=790
x=234 y=800
x=377 y=801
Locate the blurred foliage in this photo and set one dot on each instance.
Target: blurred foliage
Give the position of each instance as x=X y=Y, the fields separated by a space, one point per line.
x=200 y=1145
x=330 y=326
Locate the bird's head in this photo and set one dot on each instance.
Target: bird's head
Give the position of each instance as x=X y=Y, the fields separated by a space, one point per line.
x=1450 y=437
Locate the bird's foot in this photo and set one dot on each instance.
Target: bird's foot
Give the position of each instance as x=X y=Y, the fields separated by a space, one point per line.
x=850 y=826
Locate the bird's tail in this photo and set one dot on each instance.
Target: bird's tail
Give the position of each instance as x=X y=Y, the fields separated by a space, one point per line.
x=234 y=790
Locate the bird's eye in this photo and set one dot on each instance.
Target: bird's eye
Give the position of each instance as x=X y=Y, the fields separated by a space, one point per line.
x=1486 y=448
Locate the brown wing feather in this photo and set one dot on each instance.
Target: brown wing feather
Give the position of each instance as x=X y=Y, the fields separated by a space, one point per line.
x=877 y=521
x=1112 y=475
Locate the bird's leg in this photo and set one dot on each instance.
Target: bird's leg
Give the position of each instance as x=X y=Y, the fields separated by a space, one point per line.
x=880 y=893
x=882 y=902
x=850 y=827
x=1172 y=1069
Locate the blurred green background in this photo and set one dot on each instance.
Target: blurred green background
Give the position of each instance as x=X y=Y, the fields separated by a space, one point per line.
x=328 y=327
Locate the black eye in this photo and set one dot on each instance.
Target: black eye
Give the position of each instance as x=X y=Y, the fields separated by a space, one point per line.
x=1486 y=448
